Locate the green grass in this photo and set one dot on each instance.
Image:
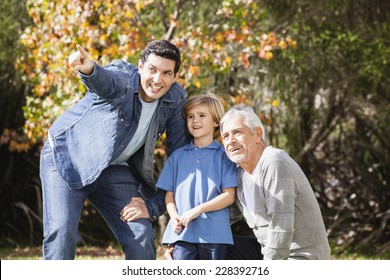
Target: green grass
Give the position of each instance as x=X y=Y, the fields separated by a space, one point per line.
x=115 y=253
x=82 y=253
x=361 y=255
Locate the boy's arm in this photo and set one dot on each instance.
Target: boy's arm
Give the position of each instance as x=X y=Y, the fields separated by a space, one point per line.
x=221 y=201
x=177 y=226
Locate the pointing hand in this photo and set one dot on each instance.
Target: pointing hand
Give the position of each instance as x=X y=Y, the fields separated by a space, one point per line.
x=81 y=61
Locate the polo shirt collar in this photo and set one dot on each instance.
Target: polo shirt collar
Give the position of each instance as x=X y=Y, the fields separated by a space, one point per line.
x=213 y=145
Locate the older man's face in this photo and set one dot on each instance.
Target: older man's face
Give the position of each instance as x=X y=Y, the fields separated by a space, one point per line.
x=240 y=144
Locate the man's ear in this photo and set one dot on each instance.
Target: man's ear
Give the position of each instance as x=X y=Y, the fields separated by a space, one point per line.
x=140 y=65
x=259 y=135
x=176 y=77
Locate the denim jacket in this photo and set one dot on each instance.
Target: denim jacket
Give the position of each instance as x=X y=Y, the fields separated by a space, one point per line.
x=95 y=131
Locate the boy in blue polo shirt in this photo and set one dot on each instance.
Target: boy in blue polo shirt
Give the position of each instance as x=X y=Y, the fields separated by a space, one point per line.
x=200 y=182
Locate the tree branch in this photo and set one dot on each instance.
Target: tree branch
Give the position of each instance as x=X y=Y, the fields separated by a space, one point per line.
x=176 y=15
x=160 y=8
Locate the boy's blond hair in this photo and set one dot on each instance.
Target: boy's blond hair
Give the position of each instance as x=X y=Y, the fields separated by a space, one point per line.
x=214 y=104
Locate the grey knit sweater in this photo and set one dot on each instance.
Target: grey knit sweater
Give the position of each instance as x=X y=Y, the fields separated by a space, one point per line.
x=279 y=204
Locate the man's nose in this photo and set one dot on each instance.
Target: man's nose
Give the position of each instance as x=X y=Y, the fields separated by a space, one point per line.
x=229 y=140
x=157 y=77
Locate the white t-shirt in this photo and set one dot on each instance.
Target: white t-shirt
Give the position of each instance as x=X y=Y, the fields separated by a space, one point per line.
x=140 y=134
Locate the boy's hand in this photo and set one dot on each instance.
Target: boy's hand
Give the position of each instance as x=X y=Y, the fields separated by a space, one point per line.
x=177 y=226
x=190 y=215
x=80 y=61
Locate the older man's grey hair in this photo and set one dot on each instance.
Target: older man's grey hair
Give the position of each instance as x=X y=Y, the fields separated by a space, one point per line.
x=250 y=118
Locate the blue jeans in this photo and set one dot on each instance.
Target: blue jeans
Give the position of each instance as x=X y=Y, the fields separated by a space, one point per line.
x=199 y=251
x=62 y=208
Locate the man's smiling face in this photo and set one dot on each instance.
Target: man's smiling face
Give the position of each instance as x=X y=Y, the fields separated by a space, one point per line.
x=157 y=76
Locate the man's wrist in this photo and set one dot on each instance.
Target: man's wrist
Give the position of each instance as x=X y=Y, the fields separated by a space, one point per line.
x=152 y=215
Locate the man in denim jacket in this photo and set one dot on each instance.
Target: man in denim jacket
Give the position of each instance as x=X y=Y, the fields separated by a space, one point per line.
x=102 y=149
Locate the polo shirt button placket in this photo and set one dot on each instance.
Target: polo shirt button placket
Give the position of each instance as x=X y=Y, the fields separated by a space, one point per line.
x=197 y=155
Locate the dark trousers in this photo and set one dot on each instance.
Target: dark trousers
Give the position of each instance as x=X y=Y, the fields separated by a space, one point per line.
x=244 y=248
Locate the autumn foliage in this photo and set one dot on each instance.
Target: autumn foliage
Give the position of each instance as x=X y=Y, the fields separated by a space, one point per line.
x=315 y=71
x=111 y=30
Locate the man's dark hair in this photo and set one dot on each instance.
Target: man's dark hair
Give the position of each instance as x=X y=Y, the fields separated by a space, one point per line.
x=162 y=48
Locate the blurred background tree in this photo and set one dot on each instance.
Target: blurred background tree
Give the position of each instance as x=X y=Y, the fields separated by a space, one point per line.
x=316 y=73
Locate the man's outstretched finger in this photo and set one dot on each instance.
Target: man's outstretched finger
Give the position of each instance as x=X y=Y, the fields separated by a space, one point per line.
x=82 y=51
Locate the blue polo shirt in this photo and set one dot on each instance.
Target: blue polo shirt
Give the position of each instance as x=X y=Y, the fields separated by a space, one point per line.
x=196 y=175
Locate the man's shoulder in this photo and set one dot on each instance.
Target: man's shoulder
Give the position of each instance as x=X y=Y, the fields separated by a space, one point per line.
x=278 y=156
x=177 y=90
x=123 y=66
x=175 y=95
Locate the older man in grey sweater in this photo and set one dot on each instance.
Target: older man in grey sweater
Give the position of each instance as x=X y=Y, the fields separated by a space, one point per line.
x=275 y=197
